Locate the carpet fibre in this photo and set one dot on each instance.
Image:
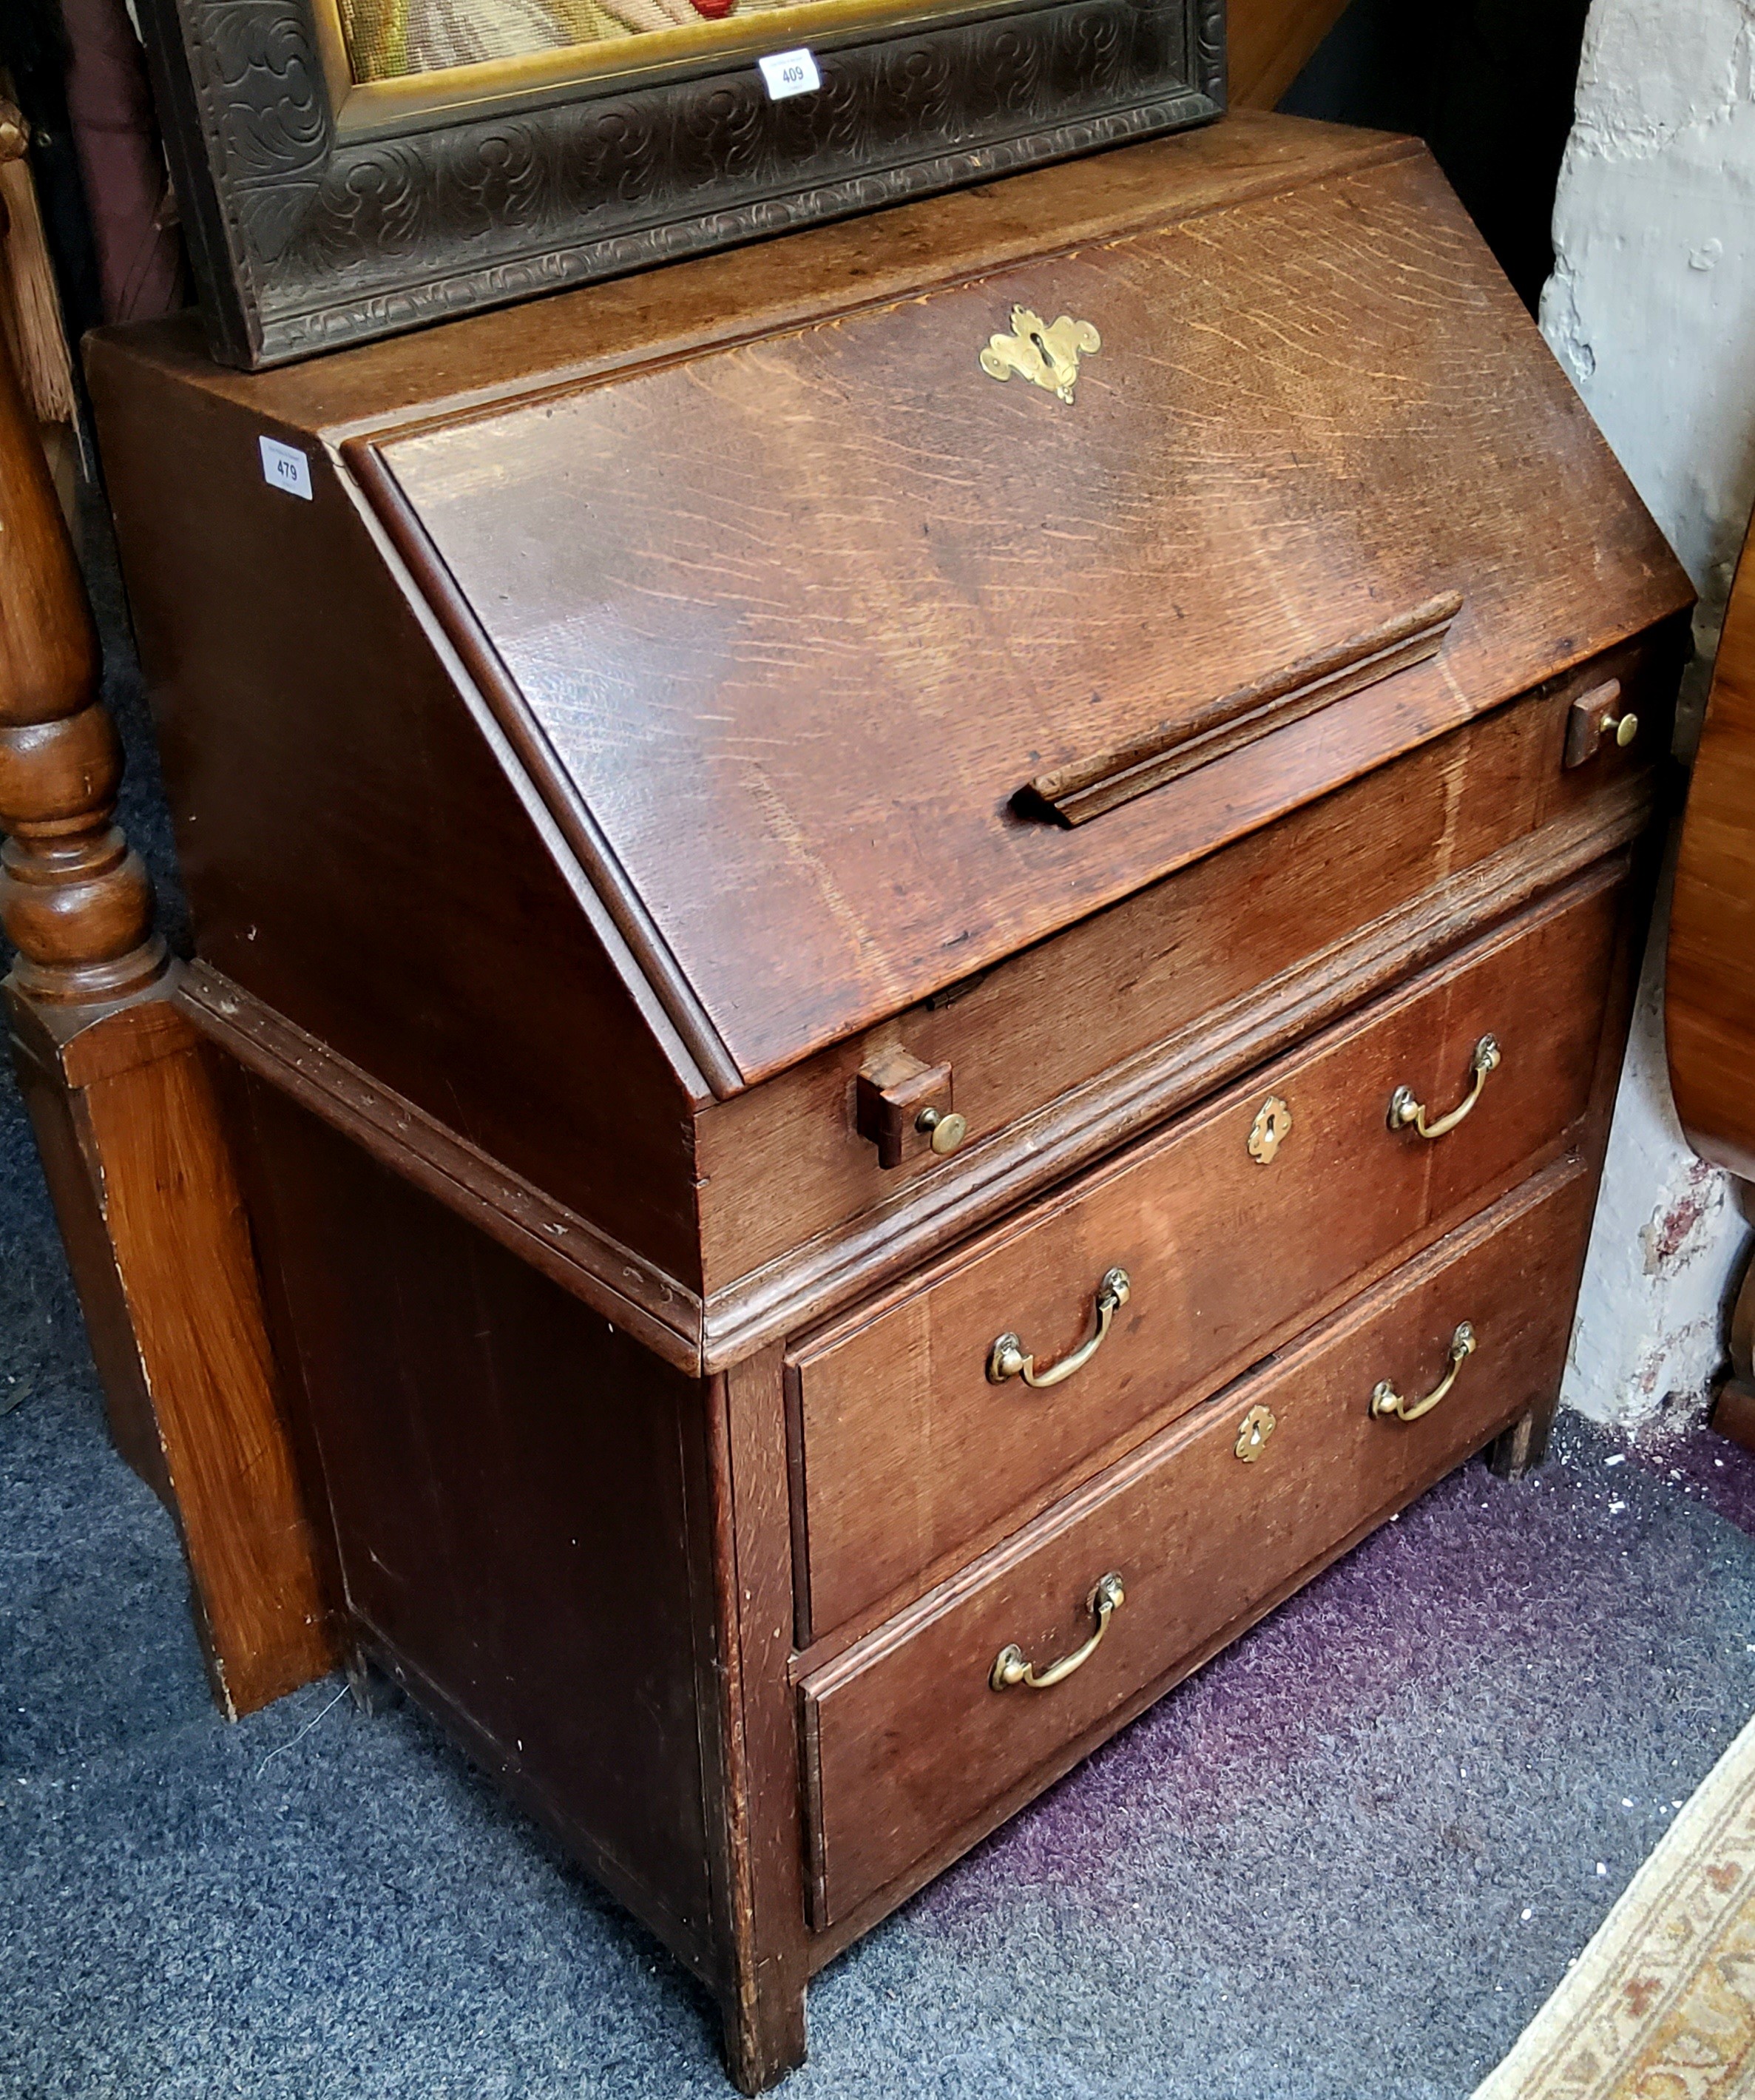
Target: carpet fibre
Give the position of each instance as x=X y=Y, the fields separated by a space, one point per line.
x=1662 y=2004
x=1353 y=1856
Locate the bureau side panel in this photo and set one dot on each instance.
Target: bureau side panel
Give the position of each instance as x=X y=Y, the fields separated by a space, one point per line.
x=356 y=854
x=518 y=1502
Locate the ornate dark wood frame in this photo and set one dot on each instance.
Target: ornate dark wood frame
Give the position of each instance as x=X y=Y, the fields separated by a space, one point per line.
x=304 y=239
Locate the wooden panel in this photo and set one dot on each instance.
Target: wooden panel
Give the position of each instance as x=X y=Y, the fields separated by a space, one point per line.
x=359 y=850
x=629 y=1291
x=800 y=617
x=169 y=1283
x=906 y=1740
x=1271 y=43
x=761 y=1864
x=1710 y=995
x=75 y=1182
x=908 y=1448
x=518 y=1508
x=784 y=1164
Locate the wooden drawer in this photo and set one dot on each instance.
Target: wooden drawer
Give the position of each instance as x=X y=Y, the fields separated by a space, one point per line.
x=1062 y=1038
x=908 y=1450
x=911 y=1753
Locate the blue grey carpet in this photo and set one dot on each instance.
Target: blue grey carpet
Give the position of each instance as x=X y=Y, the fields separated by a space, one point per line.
x=1350 y=1858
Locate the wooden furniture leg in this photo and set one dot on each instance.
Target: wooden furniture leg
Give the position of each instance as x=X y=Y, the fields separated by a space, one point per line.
x=124 y=1109
x=1523 y=1447
x=762 y=1997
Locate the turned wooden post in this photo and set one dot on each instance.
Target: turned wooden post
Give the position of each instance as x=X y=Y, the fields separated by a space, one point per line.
x=74 y=897
x=122 y=1100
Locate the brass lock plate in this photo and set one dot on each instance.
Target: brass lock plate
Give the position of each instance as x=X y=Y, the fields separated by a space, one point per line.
x=1258 y=1426
x=1045 y=353
x=1272 y=1128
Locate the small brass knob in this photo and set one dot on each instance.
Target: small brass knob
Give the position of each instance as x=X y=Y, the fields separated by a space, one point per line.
x=946 y=1131
x=1623 y=729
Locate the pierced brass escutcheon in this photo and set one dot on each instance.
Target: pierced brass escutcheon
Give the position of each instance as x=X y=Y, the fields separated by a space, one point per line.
x=1272 y=1128
x=1010 y=1668
x=1406 y=1113
x=1385 y=1399
x=1045 y=354
x=1009 y=1358
x=1259 y=1425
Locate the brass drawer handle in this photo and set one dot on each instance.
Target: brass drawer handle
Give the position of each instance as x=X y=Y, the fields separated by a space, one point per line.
x=1405 y=1110
x=1385 y=1399
x=1007 y=1358
x=1010 y=1668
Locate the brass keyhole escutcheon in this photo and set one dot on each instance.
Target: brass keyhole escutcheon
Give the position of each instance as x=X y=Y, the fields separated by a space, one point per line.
x=944 y=1132
x=1259 y=1425
x=1045 y=353
x=1272 y=1128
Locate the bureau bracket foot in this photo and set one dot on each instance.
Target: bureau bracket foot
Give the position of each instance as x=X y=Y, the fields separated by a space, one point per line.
x=1522 y=1448
x=373 y=1691
x=765 y=2037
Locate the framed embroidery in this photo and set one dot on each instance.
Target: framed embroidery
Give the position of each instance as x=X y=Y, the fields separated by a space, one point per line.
x=350 y=168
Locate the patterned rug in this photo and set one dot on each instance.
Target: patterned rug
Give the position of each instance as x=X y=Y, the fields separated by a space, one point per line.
x=1661 y=2003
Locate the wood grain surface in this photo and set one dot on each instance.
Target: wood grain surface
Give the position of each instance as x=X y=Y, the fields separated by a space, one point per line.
x=766 y=1964
x=906 y=1740
x=1271 y=42
x=74 y=899
x=1709 y=994
x=141 y=1166
x=618 y=753
x=131 y=1136
x=359 y=850
x=1308 y=417
x=861 y=263
x=1263 y=921
x=519 y=1505
x=907 y=1447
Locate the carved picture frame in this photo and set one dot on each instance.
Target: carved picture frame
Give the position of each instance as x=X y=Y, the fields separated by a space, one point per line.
x=308 y=231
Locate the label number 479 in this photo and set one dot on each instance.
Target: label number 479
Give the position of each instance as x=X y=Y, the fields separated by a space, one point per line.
x=284 y=467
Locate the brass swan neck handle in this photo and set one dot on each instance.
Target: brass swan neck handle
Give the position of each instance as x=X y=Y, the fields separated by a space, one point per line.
x=1009 y=1358
x=1385 y=1399
x=1010 y=1668
x=1406 y=1113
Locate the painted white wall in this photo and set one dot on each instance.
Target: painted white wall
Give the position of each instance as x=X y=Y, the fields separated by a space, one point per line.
x=1651 y=309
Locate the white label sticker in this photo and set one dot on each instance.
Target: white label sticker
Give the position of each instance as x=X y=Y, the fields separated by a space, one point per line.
x=790 y=73
x=285 y=466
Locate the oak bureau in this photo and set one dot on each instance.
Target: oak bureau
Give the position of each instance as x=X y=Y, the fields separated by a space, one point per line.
x=922 y=934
